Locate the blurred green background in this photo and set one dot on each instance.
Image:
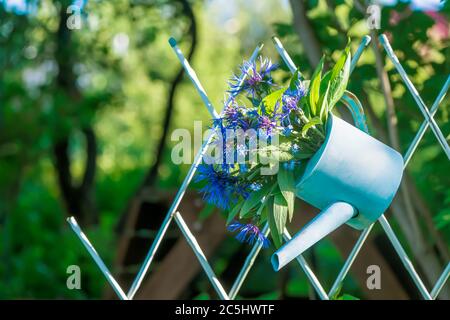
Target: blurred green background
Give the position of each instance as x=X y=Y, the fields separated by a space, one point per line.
x=83 y=113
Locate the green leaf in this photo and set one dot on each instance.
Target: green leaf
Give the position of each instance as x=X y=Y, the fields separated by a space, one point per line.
x=280 y=213
x=443 y=218
x=324 y=97
x=276 y=236
x=313 y=122
x=335 y=296
x=255 y=102
x=286 y=183
x=339 y=77
x=255 y=198
x=262 y=211
x=234 y=212
x=346 y=296
x=303 y=155
x=272 y=99
x=206 y=211
x=314 y=89
x=294 y=80
x=275 y=153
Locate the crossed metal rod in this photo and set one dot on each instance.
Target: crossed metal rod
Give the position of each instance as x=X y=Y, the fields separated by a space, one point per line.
x=423 y=108
x=174 y=214
x=383 y=221
x=257 y=247
x=250 y=260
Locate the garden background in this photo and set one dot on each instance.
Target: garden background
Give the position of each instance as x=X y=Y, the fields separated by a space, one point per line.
x=85 y=123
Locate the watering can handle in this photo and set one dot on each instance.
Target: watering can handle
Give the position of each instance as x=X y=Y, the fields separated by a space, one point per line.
x=352 y=103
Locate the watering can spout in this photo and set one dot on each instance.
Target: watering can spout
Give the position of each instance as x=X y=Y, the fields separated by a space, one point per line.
x=326 y=222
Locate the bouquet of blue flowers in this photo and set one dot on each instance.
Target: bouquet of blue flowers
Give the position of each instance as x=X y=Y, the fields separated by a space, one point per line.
x=266 y=133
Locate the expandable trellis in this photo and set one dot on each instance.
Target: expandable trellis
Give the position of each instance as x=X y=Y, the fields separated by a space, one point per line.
x=174 y=214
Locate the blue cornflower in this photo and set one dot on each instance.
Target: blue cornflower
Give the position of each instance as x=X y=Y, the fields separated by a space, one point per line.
x=248 y=233
x=221 y=189
x=231 y=113
x=288 y=130
x=255 y=79
x=289 y=103
x=267 y=124
x=219 y=124
x=234 y=116
x=291 y=97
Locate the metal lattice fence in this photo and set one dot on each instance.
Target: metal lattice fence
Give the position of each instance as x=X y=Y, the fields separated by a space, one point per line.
x=174 y=214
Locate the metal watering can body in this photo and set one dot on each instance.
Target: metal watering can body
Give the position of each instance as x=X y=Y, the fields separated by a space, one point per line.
x=352 y=178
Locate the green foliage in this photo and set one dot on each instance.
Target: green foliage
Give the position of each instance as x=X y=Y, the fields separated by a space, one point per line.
x=273 y=223
x=314 y=90
x=339 y=78
x=254 y=199
x=280 y=214
x=270 y=101
x=326 y=91
x=312 y=123
x=297 y=116
x=286 y=183
x=442 y=219
x=123 y=98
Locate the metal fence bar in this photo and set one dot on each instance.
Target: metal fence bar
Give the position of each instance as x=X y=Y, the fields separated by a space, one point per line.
x=364 y=43
x=167 y=220
x=193 y=76
x=90 y=248
x=423 y=128
x=399 y=249
x=426 y=113
x=441 y=282
x=173 y=213
x=382 y=220
x=198 y=159
x=348 y=98
x=256 y=248
x=249 y=261
x=285 y=56
x=366 y=232
x=190 y=238
x=309 y=272
x=292 y=67
x=350 y=259
x=404 y=257
x=362 y=125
